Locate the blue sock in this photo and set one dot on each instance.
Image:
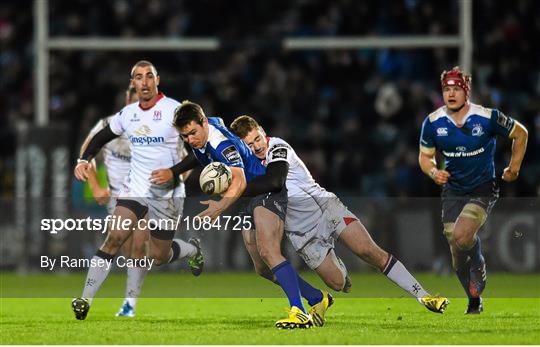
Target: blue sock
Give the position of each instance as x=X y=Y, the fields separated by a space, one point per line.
x=310 y=293
x=476 y=253
x=288 y=280
x=463 y=275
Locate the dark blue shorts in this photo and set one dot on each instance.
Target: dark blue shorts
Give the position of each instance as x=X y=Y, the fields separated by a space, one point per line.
x=275 y=202
x=485 y=196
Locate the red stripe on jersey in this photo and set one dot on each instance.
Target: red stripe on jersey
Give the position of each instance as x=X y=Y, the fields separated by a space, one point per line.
x=156 y=99
x=349 y=220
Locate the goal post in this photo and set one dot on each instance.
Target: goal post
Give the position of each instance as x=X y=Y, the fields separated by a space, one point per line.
x=43 y=44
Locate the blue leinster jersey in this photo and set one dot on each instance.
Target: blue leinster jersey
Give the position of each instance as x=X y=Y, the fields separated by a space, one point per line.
x=468 y=150
x=225 y=147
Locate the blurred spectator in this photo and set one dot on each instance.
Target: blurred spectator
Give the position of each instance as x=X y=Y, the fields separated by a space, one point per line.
x=353 y=115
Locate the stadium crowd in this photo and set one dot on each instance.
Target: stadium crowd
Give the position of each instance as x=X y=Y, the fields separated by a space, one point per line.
x=353 y=115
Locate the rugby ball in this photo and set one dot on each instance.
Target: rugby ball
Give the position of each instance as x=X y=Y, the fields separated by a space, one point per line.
x=215 y=178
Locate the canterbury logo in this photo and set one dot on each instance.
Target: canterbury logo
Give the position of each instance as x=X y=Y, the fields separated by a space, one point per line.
x=143 y=131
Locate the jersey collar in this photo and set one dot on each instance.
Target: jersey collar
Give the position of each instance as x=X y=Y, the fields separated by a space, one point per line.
x=465 y=119
x=210 y=131
x=159 y=96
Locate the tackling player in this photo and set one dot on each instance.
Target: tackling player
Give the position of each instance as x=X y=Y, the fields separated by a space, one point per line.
x=465 y=134
x=316 y=218
x=148 y=126
x=212 y=141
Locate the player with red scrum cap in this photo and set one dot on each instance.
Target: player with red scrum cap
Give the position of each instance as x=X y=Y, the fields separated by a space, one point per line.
x=465 y=134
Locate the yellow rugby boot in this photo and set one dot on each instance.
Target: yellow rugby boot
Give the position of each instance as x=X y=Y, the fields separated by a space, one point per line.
x=296 y=319
x=435 y=303
x=318 y=310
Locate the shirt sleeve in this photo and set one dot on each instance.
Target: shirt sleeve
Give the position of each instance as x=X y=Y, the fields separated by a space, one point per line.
x=228 y=153
x=501 y=124
x=102 y=123
x=427 y=144
x=116 y=123
x=279 y=152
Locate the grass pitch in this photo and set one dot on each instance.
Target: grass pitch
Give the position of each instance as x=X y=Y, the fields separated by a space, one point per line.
x=376 y=313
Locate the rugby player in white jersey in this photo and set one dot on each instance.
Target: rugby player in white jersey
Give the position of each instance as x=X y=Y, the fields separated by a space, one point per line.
x=315 y=219
x=117 y=158
x=147 y=125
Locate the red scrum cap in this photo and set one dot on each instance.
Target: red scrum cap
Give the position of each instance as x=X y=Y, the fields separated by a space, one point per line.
x=456 y=77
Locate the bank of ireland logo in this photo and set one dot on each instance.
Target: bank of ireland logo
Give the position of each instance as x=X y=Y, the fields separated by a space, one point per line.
x=144 y=130
x=477 y=130
x=442 y=131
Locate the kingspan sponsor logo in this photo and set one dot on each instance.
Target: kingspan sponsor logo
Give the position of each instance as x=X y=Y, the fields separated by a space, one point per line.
x=146 y=140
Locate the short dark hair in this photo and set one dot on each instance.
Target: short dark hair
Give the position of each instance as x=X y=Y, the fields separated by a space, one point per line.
x=242 y=125
x=188 y=112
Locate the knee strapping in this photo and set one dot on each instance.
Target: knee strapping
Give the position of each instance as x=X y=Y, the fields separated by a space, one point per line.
x=449 y=231
x=475 y=212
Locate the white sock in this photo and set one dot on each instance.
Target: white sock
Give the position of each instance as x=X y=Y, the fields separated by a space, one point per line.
x=186 y=250
x=398 y=274
x=135 y=279
x=95 y=277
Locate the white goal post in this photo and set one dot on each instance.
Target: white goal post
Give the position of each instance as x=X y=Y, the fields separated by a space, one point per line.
x=43 y=44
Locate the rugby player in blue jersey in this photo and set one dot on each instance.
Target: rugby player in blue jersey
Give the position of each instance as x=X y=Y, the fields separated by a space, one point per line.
x=212 y=141
x=465 y=135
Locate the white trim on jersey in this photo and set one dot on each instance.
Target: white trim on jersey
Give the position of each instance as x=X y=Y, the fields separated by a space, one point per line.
x=215 y=137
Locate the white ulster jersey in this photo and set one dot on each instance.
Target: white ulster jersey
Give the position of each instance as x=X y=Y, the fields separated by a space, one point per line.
x=116 y=157
x=155 y=144
x=307 y=200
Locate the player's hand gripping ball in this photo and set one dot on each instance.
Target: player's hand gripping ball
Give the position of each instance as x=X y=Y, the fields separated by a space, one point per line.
x=215 y=178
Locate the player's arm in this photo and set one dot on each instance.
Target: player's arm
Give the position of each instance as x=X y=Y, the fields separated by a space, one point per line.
x=228 y=154
x=235 y=190
x=272 y=181
x=426 y=157
x=92 y=149
x=161 y=176
x=184 y=153
x=428 y=164
x=519 y=136
x=100 y=194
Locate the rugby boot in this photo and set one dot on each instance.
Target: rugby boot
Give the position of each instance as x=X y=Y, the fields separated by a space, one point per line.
x=296 y=319
x=80 y=307
x=196 y=263
x=435 y=303
x=318 y=311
